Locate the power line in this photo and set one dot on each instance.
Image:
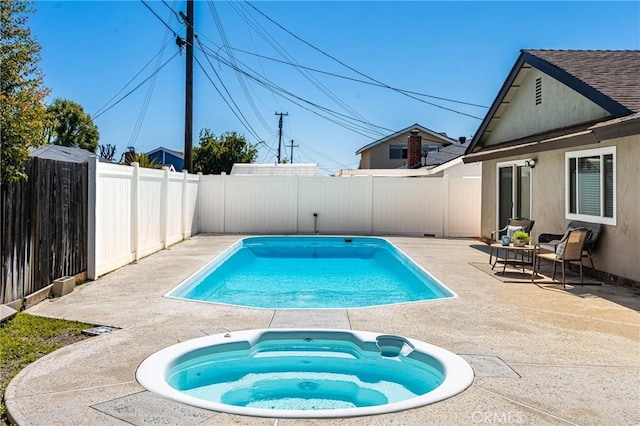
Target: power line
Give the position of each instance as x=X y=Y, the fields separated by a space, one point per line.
x=223 y=36
x=131 y=80
x=283 y=52
x=297 y=65
x=243 y=121
x=355 y=70
x=161 y=20
x=135 y=88
x=147 y=99
x=290 y=96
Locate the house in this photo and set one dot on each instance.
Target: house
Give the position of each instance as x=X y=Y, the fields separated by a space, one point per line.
x=251 y=169
x=167 y=157
x=392 y=152
x=64 y=153
x=561 y=142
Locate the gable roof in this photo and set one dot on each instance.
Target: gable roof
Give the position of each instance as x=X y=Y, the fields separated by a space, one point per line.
x=609 y=78
x=170 y=151
x=388 y=139
x=63 y=153
x=446 y=154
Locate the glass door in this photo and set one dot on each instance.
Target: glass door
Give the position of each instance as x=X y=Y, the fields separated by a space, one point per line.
x=514 y=192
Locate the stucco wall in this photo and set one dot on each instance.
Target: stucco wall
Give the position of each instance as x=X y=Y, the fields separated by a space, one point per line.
x=377 y=157
x=618 y=250
x=560 y=107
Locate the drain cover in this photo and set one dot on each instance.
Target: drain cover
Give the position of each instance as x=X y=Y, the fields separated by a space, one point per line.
x=96 y=331
x=308 y=386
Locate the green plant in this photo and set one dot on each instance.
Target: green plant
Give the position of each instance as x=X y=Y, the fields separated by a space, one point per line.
x=25 y=338
x=521 y=236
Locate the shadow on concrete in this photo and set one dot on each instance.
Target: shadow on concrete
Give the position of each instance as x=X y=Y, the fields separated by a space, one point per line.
x=593 y=287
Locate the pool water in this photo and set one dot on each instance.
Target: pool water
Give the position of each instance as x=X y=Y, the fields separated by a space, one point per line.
x=305 y=373
x=311 y=272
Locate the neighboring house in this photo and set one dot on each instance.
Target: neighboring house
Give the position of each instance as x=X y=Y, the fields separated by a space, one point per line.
x=240 y=169
x=392 y=152
x=64 y=153
x=167 y=157
x=451 y=168
x=561 y=142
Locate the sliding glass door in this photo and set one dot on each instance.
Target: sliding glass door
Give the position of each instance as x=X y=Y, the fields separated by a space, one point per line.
x=513 y=191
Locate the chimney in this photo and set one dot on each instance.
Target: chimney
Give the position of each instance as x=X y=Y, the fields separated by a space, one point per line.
x=414 y=150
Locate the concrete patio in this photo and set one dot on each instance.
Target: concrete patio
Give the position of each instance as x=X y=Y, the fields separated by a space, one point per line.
x=542 y=354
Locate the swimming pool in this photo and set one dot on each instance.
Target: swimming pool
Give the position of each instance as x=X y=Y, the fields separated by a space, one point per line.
x=287 y=373
x=311 y=272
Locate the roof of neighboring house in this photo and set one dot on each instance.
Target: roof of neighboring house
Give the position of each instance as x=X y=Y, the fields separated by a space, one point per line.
x=609 y=78
x=63 y=153
x=170 y=151
x=446 y=153
x=275 y=169
x=445 y=139
x=614 y=73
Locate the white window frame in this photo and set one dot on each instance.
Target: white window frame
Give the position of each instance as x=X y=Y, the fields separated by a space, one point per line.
x=567 y=185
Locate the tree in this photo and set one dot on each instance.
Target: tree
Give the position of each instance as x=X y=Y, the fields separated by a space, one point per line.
x=107 y=151
x=22 y=93
x=143 y=160
x=69 y=125
x=215 y=156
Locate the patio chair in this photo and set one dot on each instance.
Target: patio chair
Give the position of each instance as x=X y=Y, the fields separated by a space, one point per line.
x=513 y=224
x=567 y=250
x=549 y=242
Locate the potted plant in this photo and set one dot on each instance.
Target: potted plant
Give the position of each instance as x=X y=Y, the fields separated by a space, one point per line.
x=520 y=239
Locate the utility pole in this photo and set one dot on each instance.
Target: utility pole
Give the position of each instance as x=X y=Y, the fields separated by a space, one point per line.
x=281 y=114
x=188 y=98
x=292 y=146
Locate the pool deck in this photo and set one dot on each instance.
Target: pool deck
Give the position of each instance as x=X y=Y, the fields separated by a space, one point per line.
x=542 y=354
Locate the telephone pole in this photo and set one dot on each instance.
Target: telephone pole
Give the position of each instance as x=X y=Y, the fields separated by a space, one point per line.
x=292 y=146
x=281 y=114
x=188 y=97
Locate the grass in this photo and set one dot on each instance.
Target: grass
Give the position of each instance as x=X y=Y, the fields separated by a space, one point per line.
x=25 y=338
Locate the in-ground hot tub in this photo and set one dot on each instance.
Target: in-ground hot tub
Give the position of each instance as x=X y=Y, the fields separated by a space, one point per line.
x=292 y=373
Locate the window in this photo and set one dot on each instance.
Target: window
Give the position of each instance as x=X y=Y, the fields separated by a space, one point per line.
x=397 y=152
x=591 y=185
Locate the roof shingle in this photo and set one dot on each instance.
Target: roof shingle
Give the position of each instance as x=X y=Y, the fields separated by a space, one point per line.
x=614 y=73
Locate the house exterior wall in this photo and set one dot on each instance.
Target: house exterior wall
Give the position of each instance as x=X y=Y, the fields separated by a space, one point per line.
x=561 y=107
x=164 y=157
x=377 y=157
x=618 y=249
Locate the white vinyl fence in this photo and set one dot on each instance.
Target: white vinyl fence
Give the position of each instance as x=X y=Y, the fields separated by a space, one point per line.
x=134 y=211
x=444 y=206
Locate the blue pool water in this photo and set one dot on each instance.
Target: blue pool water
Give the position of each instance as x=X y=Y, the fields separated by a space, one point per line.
x=311 y=272
x=292 y=373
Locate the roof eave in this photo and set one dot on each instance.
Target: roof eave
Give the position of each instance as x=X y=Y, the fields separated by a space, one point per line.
x=614 y=108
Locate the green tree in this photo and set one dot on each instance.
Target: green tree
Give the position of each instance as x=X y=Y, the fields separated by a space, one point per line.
x=22 y=93
x=69 y=125
x=217 y=155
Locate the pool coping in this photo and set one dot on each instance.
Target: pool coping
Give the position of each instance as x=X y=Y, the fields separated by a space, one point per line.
x=565 y=350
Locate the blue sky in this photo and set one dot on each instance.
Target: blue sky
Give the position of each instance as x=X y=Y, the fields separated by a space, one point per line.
x=455 y=50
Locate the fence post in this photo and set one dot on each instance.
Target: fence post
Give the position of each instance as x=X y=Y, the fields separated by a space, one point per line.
x=92 y=219
x=183 y=211
x=198 y=205
x=445 y=205
x=223 y=199
x=164 y=206
x=135 y=210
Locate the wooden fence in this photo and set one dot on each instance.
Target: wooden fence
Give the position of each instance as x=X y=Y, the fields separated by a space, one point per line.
x=44 y=227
